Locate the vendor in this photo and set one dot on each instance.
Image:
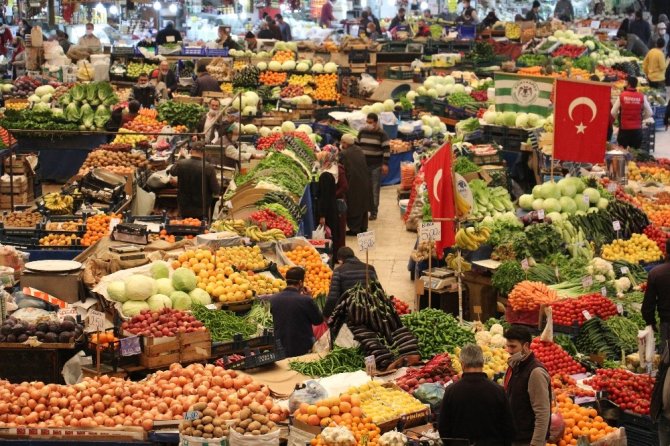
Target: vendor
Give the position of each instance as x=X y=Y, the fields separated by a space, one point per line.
x=469 y=14
x=133 y=111
x=166 y=82
x=564 y=10
x=204 y=82
x=18 y=56
x=640 y=28
x=225 y=41
x=251 y=41
x=144 y=92
x=631 y=108
x=168 y=35
x=5 y=37
x=427 y=15
x=210 y=124
x=188 y=173
x=349 y=273
x=423 y=30
x=654 y=65
x=63 y=40
x=533 y=14
x=294 y=313
x=24 y=29
x=327 y=15
x=89 y=40
x=399 y=19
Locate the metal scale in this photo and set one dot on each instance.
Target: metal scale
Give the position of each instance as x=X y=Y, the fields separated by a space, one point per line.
x=439 y=279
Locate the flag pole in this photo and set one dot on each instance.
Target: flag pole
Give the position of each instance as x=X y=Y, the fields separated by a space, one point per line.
x=553 y=144
x=457 y=219
x=430 y=272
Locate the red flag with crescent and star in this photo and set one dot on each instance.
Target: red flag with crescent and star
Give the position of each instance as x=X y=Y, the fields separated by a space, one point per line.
x=440 y=186
x=581 y=118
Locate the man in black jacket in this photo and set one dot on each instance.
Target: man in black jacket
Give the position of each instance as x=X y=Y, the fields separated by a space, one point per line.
x=204 y=82
x=144 y=92
x=660 y=404
x=347 y=275
x=168 y=35
x=475 y=408
x=192 y=200
x=657 y=298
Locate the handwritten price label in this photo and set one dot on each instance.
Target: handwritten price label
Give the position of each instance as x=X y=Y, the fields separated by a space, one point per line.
x=366 y=240
x=130 y=346
x=585 y=199
x=540 y=214
x=587 y=281
x=370 y=365
x=524 y=264
x=619 y=308
x=611 y=188
x=192 y=415
x=616 y=224
x=587 y=315
x=113 y=222
x=603 y=291
x=96 y=320
x=430 y=231
x=63 y=312
x=624 y=270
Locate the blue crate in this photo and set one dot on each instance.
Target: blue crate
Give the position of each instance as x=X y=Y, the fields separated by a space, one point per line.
x=659 y=123
x=659 y=111
x=186 y=51
x=467 y=32
x=217 y=52
x=391 y=130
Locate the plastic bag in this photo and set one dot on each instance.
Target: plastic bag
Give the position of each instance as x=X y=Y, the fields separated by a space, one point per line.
x=298 y=437
x=367 y=84
x=31 y=315
x=548 y=332
x=430 y=393
x=237 y=439
x=556 y=427
x=322 y=232
x=310 y=393
x=646 y=347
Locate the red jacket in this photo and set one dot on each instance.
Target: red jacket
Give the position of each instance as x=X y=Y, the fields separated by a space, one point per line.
x=630 y=113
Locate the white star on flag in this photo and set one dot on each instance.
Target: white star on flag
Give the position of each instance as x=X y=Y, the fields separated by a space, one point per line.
x=581 y=127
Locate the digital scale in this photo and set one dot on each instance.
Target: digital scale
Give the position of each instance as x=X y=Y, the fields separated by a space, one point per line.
x=439 y=278
x=130 y=233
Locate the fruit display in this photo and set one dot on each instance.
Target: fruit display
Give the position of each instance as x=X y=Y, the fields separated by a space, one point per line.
x=58 y=204
x=639 y=248
x=270 y=220
x=166 y=322
x=438 y=370
x=301 y=80
x=186 y=222
x=220 y=69
x=59 y=240
x=247 y=77
x=555 y=359
x=630 y=391
x=97 y=227
x=562 y=383
x=400 y=306
x=317 y=273
x=580 y=421
x=528 y=296
x=272 y=78
x=130 y=137
x=291 y=91
x=103 y=340
x=472 y=238
x=145 y=122
x=18 y=219
x=17 y=105
x=122 y=163
x=45 y=330
x=495 y=361
x=65 y=226
x=568 y=311
x=134 y=69
x=326 y=88
x=242 y=258
x=362 y=429
x=256 y=235
x=384 y=403
x=282 y=56
x=657 y=235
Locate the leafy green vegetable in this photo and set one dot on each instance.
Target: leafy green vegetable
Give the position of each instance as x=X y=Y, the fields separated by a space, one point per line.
x=102 y=115
x=105 y=90
x=507 y=276
x=464 y=165
x=78 y=92
x=180 y=113
x=542 y=239
x=72 y=113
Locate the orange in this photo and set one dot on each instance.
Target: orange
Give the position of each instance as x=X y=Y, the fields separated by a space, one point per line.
x=311 y=409
x=323 y=412
x=313 y=420
x=345 y=407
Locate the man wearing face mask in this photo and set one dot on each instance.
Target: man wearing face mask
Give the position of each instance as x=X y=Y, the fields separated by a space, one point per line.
x=210 y=123
x=661 y=32
x=377 y=150
x=89 y=40
x=143 y=92
x=167 y=80
x=528 y=387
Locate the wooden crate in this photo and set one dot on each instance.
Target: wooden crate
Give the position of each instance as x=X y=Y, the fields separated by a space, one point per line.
x=186 y=347
x=20 y=185
x=19 y=165
x=20 y=198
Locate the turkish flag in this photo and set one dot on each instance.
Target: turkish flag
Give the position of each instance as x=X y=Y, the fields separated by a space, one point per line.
x=440 y=186
x=581 y=117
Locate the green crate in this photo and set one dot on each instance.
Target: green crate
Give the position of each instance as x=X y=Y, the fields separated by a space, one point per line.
x=400 y=73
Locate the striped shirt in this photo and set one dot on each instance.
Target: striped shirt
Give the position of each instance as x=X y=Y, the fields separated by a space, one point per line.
x=375 y=146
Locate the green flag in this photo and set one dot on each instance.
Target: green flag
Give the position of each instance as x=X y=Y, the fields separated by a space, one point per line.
x=527 y=94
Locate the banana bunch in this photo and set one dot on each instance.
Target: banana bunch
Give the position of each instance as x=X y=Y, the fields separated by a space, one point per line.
x=237 y=226
x=471 y=238
x=458 y=263
x=574 y=239
x=56 y=203
x=256 y=235
x=463 y=208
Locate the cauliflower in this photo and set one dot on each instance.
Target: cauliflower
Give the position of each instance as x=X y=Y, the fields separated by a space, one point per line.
x=600 y=278
x=483 y=338
x=497 y=340
x=601 y=266
x=622 y=285
x=496 y=329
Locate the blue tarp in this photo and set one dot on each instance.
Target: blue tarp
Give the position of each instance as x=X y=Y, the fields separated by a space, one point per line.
x=306 y=225
x=393 y=177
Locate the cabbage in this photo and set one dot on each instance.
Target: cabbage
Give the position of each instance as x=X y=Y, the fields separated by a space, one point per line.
x=602 y=204
x=139 y=287
x=389 y=105
x=159 y=301
x=46 y=98
x=44 y=90
x=87 y=115
x=180 y=300
x=526 y=202
x=184 y=279
x=330 y=67
x=102 y=115
x=302 y=67
x=34 y=98
x=134 y=307
x=521 y=120
x=289 y=65
x=71 y=112
x=264 y=131
x=427 y=131
x=262 y=66
x=159 y=270
x=200 y=296
x=287 y=126
x=305 y=129
x=411 y=96
x=249 y=129
x=249 y=111
x=164 y=286
x=41 y=106
x=117 y=291
x=250 y=98
x=568 y=205
x=509 y=119
x=593 y=195
x=274 y=66
x=490 y=116
x=317 y=68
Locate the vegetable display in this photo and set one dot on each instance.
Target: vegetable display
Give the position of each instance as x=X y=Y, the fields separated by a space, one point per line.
x=224 y=325
x=436 y=331
x=554 y=358
x=528 y=296
x=166 y=322
x=437 y=370
x=630 y=391
x=339 y=360
x=48 y=331
x=568 y=311
x=180 y=113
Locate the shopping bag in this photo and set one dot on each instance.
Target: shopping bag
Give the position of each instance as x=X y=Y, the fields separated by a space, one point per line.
x=322 y=232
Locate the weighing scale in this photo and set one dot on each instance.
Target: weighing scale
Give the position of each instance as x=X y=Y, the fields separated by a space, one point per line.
x=441 y=278
x=130 y=233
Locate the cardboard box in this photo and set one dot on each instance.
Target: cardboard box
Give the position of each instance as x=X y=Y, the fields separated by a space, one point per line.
x=65 y=286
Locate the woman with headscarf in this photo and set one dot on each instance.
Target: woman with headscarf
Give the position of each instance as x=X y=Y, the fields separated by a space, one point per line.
x=332 y=187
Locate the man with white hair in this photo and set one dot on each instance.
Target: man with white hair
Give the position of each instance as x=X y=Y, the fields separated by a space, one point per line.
x=358 y=177
x=475 y=408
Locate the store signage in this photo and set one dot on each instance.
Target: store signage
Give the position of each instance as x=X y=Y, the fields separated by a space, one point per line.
x=603 y=291
x=366 y=240
x=370 y=365
x=616 y=224
x=96 y=320
x=430 y=231
x=540 y=214
x=624 y=270
x=524 y=264
x=587 y=315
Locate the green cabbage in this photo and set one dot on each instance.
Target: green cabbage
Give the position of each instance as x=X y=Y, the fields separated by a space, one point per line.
x=105 y=91
x=91 y=91
x=72 y=113
x=184 y=279
x=78 y=93
x=87 y=115
x=159 y=301
x=200 y=296
x=102 y=115
x=133 y=307
x=165 y=286
x=180 y=300
x=139 y=287
x=159 y=269
x=117 y=291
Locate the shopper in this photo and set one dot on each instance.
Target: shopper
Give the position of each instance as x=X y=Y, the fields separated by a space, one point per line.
x=331 y=187
x=468 y=15
x=398 y=20
x=168 y=35
x=115 y=122
x=5 y=38
x=374 y=19
x=372 y=32
x=265 y=32
x=18 y=61
x=427 y=15
x=654 y=65
x=534 y=14
x=423 y=29
x=657 y=299
x=363 y=24
x=375 y=145
x=631 y=107
x=63 y=40
x=144 y=92
x=24 y=29
x=476 y=408
x=284 y=28
x=204 y=81
x=89 y=40
x=225 y=41
x=358 y=177
x=661 y=33
x=327 y=15
x=166 y=82
x=349 y=273
x=599 y=8
x=294 y=313
x=210 y=124
x=564 y=11
x=193 y=201
x=640 y=27
x=274 y=29
x=133 y=112
x=663 y=18
x=528 y=387
x=251 y=41
x=659 y=409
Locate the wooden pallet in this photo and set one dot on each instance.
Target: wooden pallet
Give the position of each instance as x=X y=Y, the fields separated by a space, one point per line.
x=184 y=348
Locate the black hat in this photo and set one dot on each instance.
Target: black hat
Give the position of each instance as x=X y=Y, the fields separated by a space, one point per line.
x=250 y=35
x=295 y=274
x=536 y=4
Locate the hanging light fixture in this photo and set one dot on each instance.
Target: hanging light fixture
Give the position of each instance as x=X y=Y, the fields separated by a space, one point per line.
x=173 y=8
x=100 y=8
x=157 y=5
x=114 y=10
x=424 y=6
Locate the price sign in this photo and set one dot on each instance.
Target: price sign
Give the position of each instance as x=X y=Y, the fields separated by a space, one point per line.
x=624 y=270
x=211 y=307
x=96 y=320
x=130 y=346
x=430 y=231
x=611 y=188
x=370 y=365
x=585 y=199
x=540 y=214
x=587 y=281
x=587 y=315
x=616 y=224
x=192 y=415
x=366 y=240
x=169 y=39
x=113 y=222
x=619 y=308
x=70 y=311
x=524 y=264
x=603 y=291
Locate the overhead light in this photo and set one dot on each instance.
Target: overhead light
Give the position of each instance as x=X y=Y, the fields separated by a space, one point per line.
x=114 y=10
x=243 y=15
x=173 y=8
x=157 y=5
x=100 y=8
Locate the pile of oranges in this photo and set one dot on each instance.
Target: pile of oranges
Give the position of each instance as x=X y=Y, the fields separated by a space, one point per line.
x=146 y=122
x=331 y=410
x=580 y=421
x=317 y=274
x=283 y=56
x=186 y=222
x=97 y=227
x=104 y=339
x=272 y=78
x=326 y=88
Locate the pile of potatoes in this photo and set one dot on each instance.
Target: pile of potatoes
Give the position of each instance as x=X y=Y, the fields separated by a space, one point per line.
x=117 y=162
x=21 y=219
x=254 y=420
x=207 y=425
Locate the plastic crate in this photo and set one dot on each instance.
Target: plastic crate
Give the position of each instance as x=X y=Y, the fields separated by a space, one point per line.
x=217 y=52
x=439 y=107
x=399 y=73
x=359 y=56
x=403 y=115
x=417 y=134
x=256 y=358
x=123 y=50
x=467 y=32
x=423 y=102
x=391 y=130
x=192 y=51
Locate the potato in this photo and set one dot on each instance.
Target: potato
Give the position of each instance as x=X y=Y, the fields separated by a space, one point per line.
x=208 y=428
x=217 y=432
x=199 y=407
x=207 y=420
x=197 y=423
x=239 y=430
x=245 y=423
x=260 y=418
x=209 y=413
x=207 y=435
x=197 y=433
x=187 y=431
x=264 y=430
x=271 y=424
x=254 y=426
x=262 y=410
x=217 y=422
x=245 y=413
x=256 y=432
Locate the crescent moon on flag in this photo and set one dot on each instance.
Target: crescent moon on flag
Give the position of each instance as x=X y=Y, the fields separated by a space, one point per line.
x=436 y=184
x=585 y=101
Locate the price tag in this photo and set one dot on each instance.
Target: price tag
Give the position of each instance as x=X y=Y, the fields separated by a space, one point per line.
x=430 y=231
x=616 y=224
x=211 y=307
x=540 y=214
x=113 y=222
x=587 y=315
x=619 y=308
x=587 y=282
x=611 y=188
x=192 y=415
x=585 y=199
x=169 y=39
x=603 y=291
x=96 y=320
x=366 y=240
x=524 y=264
x=624 y=270
x=130 y=346
x=370 y=365
x=70 y=311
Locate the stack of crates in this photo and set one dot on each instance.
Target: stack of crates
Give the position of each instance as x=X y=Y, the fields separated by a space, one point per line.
x=659 y=117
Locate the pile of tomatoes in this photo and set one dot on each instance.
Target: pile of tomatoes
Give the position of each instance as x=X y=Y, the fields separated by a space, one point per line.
x=630 y=391
x=567 y=311
x=657 y=235
x=555 y=359
x=562 y=383
x=400 y=306
x=272 y=220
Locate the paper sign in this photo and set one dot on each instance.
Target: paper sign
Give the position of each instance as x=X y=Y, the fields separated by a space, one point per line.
x=211 y=307
x=524 y=264
x=595 y=24
x=192 y=415
x=587 y=281
x=67 y=312
x=96 y=320
x=430 y=231
x=603 y=291
x=366 y=240
x=619 y=308
x=624 y=270
x=540 y=214
x=169 y=39
x=130 y=346
x=587 y=315
x=616 y=224
x=477 y=309
x=585 y=199
x=370 y=365
x=113 y=222
x=611 y=188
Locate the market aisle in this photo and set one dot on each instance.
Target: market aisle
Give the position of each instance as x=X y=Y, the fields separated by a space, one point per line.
x=393 y=247
x=662 y=148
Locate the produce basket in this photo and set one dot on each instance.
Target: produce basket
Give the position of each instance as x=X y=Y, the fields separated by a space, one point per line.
x=123 y=50
x=423 y=102
x=186 y=229
x=192 y=51
x=399 y=73
x=417 y=134
x=254 y=358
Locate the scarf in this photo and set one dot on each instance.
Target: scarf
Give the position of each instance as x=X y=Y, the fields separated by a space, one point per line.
x=328 y=161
